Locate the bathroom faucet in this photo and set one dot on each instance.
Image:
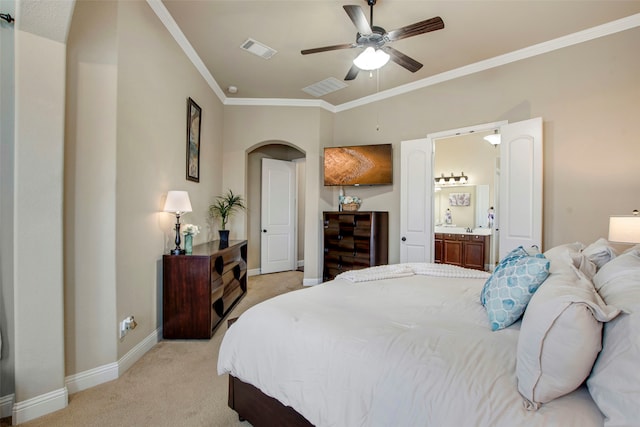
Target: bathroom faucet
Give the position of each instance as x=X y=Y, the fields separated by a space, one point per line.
x=469 y=230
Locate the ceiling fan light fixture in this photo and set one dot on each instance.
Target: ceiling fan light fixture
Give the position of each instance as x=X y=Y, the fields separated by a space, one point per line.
x=371 y=59
x=494 y=138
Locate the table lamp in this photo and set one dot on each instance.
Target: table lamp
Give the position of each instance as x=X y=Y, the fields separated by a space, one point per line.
x=177 y=203
x=625 y=228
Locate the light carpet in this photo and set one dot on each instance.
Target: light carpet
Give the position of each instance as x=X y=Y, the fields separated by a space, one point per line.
x=173 y=384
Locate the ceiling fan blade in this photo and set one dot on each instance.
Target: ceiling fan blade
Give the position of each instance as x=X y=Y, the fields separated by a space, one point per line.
x=402 y=59
x=328 y=48
x=421 y=27
x=359 y=18
x=353 y=73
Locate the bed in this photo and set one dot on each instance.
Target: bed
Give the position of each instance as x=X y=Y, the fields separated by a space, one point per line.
x=412 y=344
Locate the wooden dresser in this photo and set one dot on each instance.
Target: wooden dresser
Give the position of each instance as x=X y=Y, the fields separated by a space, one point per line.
x=201 y=288
x=354 y=240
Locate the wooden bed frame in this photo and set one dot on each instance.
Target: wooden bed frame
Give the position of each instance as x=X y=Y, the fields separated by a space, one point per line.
x=261 y=410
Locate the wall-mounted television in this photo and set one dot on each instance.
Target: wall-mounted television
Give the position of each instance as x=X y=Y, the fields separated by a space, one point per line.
x=358 y=165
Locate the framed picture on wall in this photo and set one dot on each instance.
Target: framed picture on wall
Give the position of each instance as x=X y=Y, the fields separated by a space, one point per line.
x=194 y=114
x=459 y=199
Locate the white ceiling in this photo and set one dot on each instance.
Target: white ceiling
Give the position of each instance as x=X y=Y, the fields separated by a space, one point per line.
x=475 y=30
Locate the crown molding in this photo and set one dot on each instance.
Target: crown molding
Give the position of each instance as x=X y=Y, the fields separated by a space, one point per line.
x=497 y=61
x=603 y=30
x=171 y=26
x=281 y=102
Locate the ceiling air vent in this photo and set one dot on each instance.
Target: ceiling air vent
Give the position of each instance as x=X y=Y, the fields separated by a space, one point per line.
x=257 y=48
x=325 y=86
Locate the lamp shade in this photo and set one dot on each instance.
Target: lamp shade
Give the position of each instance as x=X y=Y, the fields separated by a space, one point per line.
x=177 y=202
x=371 y=59
x=624 y=229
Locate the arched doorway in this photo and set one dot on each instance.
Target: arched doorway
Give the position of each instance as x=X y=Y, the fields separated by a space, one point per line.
x=279 y=150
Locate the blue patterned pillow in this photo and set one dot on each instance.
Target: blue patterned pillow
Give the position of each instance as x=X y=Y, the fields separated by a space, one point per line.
x=509 y=289
x=516 y=253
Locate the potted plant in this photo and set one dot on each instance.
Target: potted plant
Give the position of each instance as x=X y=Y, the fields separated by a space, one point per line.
x=223 y=207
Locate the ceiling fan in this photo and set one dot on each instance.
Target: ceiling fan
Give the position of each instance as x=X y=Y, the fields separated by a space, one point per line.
x=377 y=38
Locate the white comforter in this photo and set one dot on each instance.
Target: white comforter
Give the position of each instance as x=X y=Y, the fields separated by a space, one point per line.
x=412 y=351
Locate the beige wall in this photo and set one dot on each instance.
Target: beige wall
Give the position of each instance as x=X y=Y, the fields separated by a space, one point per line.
x=123 y=148
x=90 y=187
x=151 y=154
x=588 y=97
x=7 y=131
x=126 y=149
x=307 y=129
x=38 y=307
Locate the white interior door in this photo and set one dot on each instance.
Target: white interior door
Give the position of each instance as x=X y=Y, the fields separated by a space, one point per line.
x=278 y=219
x=520 y=210
x=416 y=199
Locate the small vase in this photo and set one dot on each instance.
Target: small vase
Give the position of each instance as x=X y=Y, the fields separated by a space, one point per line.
x=188 y=243
x=224 y=238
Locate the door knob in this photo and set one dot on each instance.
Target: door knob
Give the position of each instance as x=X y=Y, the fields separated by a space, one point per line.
x=404 y=239
x=264 y=231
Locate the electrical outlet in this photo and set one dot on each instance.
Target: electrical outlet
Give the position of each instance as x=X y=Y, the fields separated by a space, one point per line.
x=127 y=325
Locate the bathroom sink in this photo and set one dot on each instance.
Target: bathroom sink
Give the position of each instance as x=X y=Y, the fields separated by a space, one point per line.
x=481 y=231
x=461 y=230
x=449 y=229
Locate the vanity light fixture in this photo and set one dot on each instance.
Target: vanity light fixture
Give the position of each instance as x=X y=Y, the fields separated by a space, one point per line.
x=452 y=180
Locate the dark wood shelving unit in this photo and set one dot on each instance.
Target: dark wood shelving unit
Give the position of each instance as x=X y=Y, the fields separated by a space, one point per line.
x=201 y=288
x=354 y=240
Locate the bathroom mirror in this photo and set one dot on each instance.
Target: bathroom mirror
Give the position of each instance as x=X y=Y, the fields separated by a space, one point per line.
x=464 y=206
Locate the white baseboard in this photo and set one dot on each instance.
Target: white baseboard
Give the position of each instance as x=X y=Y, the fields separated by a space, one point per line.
x=102 y=374
x=38 y=406
x=91 y=378
x=58 y=399
x=6 y=405
x=300 y=263
x=257 y=271
x=311 y=282
x=139 y=350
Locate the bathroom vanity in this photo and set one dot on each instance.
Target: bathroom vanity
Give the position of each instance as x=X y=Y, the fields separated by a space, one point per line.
x=463 y=247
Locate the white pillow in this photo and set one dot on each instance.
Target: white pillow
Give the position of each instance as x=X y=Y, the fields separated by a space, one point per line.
x=559 y=250
x=560 y=337
x=633 y=248
x=614 y=383
x=600 y=252
x=618 y=281
x=562 y=257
